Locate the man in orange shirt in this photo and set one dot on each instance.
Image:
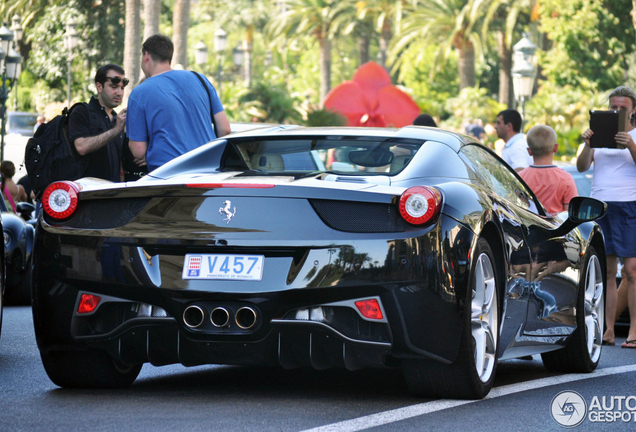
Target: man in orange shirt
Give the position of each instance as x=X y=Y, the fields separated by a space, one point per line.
x=553 y=186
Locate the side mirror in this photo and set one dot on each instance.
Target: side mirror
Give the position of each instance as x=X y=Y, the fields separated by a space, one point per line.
x=580 y=210
x=24 y=207
x=585 y=209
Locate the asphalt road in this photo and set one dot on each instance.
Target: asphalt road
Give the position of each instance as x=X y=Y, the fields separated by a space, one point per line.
x=224 y=398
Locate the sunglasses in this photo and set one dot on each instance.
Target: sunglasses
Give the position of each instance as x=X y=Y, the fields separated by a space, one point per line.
x=116 y=80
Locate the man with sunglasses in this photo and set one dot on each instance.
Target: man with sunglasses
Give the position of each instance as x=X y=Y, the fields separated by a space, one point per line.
x=96 y=130
x=170 y=113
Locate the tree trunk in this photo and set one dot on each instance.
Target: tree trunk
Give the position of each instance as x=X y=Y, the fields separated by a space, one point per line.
x=325 y=68
x=385 y=39
x=181 y=23
x=152 y=15
x=363 y=49
x=247 y=50
x=132 y=45
x=633 y=13
x=364 y=32
x=506 y=93
x=466 y=65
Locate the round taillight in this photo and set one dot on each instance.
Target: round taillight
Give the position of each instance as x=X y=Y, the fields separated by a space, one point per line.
x=420 y=204
x=60 y=199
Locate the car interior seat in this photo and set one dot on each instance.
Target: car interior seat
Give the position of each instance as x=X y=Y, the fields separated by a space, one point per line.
x=399 y=162
x=267 y=162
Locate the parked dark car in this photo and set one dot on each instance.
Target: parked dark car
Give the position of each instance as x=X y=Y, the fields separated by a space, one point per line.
x=583 y=180
x=18 y=245
x=21 y=123
x=2 y=283
x=423 y=250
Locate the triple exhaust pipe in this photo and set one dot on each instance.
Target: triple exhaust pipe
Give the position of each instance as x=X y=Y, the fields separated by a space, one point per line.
x=220 y=317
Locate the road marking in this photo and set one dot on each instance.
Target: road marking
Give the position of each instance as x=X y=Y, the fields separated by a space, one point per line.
x=392 y=416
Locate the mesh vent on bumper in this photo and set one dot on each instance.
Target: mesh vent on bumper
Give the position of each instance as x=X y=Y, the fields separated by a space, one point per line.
x=360 y=217
x=104 y=214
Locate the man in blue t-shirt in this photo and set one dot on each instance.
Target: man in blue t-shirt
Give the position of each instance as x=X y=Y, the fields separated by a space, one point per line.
x=169 y=112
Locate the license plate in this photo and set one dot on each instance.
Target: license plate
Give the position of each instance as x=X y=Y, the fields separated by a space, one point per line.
x=229 y=267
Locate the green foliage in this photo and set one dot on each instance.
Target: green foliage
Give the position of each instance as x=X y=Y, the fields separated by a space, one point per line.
x=47 y=60
x=305 y=76
x=631 y=70
x=470 y=104
x=324 y=117
x=445 y=24
x=101 y=42
x=590 y=39
x=264 y=102
x=589 y=48
x=566 y=109
x=304 y=73
x=429 y=90
x=488 y=75
x=24 y=87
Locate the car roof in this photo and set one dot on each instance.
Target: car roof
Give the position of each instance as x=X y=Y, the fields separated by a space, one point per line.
x=455 y=140
x=21 y=114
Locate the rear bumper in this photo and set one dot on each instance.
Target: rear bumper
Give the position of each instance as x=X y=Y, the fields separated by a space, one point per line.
x=420 y=283
x=161 y=342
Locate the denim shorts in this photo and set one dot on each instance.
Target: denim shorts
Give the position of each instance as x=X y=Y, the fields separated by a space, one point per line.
x=619 y=229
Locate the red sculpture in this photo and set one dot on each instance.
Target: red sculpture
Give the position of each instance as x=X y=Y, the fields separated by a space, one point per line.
x=370 y=99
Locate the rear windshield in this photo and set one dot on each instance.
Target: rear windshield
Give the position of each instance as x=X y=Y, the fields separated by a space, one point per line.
x=342 y=155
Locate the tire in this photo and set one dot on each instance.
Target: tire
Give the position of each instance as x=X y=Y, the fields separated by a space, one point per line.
x=18 y=293
x=583 y=351
x=88 y=369
x=472 y=374
x=3 y=286
x=1 y=306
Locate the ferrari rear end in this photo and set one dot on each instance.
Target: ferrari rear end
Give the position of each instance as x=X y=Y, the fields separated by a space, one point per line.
x=224 y=268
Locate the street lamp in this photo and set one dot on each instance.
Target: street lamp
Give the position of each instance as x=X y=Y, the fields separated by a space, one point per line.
x=201 y=55
x=268 y=59
x=10 y=64
x=238 y=56
x=523 y=70
x=71 y=41
x=220 y=43
x=16 y=28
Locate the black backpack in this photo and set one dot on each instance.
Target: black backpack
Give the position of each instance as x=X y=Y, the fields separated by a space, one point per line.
x=49 y=156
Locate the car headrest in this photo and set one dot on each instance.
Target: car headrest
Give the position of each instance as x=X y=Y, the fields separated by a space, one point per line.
x=268 y=162
x=399 y=162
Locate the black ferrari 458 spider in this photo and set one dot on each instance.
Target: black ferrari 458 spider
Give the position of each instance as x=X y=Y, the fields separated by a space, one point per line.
x=324 y=247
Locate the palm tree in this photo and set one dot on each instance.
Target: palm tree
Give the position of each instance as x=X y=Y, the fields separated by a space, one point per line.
x=152 y=15
x=506 y=13
x=314 y=18
x=132 y=44
x=385 y=16
x=448 y=24
x=30 y=10
x=362 y=28
x=253 y=16
x=181 y=23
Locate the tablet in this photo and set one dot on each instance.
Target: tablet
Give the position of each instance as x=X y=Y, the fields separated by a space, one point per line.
x=605 y=125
